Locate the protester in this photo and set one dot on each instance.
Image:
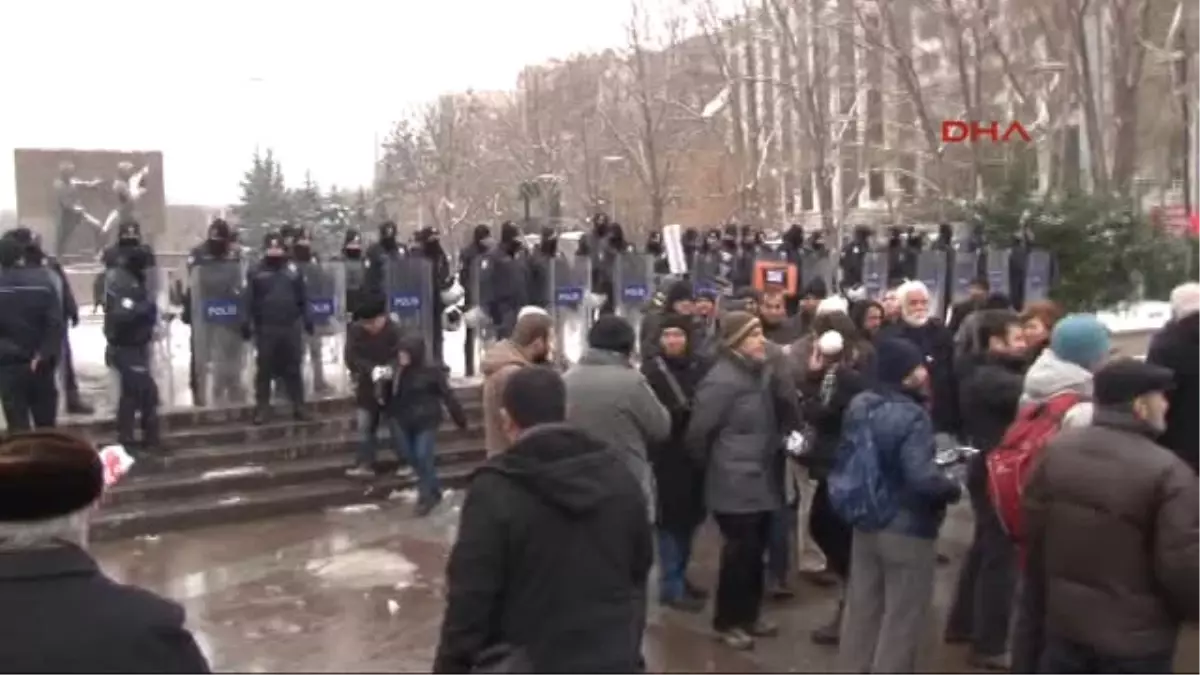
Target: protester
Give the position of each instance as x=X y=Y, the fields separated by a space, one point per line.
x=676 y=301
x=1175 y=347
x=61 y=613
x=1111 y=535
x=372 y=343
x=828 y=384
x=1078 y=346
x=894 y=553
x=531 y=343
x=811 y=296
x=966 y=338
x=868 y=318
x=420 y=391
x=891 y=304
x=778 y=327
x=608 y=398
x=977 y=293
x=673 y=376
x=549 y=570
x=936 y=344
x=735 y=433
x=1038 y=320
x=982 y=604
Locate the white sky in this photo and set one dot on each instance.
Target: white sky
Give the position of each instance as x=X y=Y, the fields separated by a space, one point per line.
x=205 y=81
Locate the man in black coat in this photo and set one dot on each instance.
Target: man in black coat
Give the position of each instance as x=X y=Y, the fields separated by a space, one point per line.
x=549 y=570
x=1175 y=347
x=59 y=613
x=468 y=259
x=990 y=395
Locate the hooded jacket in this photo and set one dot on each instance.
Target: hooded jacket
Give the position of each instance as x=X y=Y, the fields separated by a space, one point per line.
x=363 y=352
x=551 y=560
x=611 y=400
x=1050 y=375
x=991 y=395
x=421 y=389
x=502 y=360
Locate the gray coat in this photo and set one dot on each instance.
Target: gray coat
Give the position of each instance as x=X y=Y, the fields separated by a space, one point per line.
x=735 y=430
x=610 y=400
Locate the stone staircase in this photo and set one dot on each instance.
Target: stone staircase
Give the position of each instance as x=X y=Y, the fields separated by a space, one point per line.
x=219 y=468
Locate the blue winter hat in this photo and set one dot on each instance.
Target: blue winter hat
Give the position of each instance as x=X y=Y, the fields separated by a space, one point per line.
x=896 y=359
x=1080 y=339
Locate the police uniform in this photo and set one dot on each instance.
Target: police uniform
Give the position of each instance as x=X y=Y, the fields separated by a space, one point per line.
x=320 y=290
x=31 y=337
x=277 y=312
x=353 y=264
x=130 y=320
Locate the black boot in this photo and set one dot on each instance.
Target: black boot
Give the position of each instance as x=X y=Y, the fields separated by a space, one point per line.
x=831 y=633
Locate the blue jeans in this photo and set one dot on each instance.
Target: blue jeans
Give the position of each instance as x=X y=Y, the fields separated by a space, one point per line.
x=674 y=554
x=368 y=429
x=422 y=456
x=779 y=542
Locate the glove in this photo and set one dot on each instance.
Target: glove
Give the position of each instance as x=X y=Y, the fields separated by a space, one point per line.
x=247 y=333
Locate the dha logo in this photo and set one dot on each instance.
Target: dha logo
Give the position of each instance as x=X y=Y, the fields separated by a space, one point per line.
x=961 y=131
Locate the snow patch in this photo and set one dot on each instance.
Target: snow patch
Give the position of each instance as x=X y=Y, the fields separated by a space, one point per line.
x=365 y=568
x=232 y=472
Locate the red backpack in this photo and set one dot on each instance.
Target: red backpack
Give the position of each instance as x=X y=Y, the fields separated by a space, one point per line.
x=1010 y=463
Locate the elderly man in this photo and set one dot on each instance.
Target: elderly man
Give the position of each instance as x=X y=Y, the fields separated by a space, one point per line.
x=1175 y=347
x=60 y=613
x=936 y=344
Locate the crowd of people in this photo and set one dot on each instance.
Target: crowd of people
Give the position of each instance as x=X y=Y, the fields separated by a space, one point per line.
x=803 y=425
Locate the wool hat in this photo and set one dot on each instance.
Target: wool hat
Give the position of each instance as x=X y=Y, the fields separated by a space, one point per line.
x=735 y=327
x=682 y=322
x=371 y=306
x=1080 y=339
x=896 y=359
x=676 y=292
x=612 y=333
x=832 y=304
x=1122 y=380
x=47 y=474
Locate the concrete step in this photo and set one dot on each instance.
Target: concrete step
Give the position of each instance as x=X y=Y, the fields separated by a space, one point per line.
x=186 y=418
x=277 y=428
x=211 y=458
x=237 y=506
x=157 y=488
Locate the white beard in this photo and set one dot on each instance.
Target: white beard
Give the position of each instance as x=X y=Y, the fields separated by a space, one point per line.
x=915 y=321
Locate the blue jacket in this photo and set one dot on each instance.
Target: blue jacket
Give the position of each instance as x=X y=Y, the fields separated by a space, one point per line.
x=903 y=434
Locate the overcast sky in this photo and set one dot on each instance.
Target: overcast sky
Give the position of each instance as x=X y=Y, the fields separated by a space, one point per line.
x=205 y=81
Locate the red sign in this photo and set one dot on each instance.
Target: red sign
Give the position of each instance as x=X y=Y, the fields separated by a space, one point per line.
x=962 y=131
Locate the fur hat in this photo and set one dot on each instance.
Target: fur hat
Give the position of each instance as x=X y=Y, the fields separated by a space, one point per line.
x=47 y=474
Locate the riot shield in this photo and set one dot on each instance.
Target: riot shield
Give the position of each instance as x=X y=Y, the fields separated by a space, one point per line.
x=408 y=284
x=1037 y=275
x=705 y=270
x=570 y=284
x=635 y=284
x=999 y=278
x=966 y=270
x=875 y=274
x=325 y=286
x=814 y=266
x=219 y=353
x=931 y=271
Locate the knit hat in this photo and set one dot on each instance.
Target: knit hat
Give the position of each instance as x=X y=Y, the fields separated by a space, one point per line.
x=1122 y=380
x=1080 y=339
x=735 y=327
x=896 y=359
x=47 y=474
x=676 y=292
x=679 y=321
x=612 y=333
x=831 y=343
x=832 y=304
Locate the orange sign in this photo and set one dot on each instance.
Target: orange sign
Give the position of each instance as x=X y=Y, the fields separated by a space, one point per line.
x=775 y=275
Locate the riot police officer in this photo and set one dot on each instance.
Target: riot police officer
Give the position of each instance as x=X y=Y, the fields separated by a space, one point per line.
x=468 y=259
x=319 y=285
x=378 y=253
x=540 y=264
x=352 y=261
x=428 y=244
x=35 y=257
x=507 y=290
x=130 y=320
x=276 y=313
x=216 y=277
x=31 y=337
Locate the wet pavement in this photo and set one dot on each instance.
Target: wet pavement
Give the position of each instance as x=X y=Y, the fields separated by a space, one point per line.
x=360 y=589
